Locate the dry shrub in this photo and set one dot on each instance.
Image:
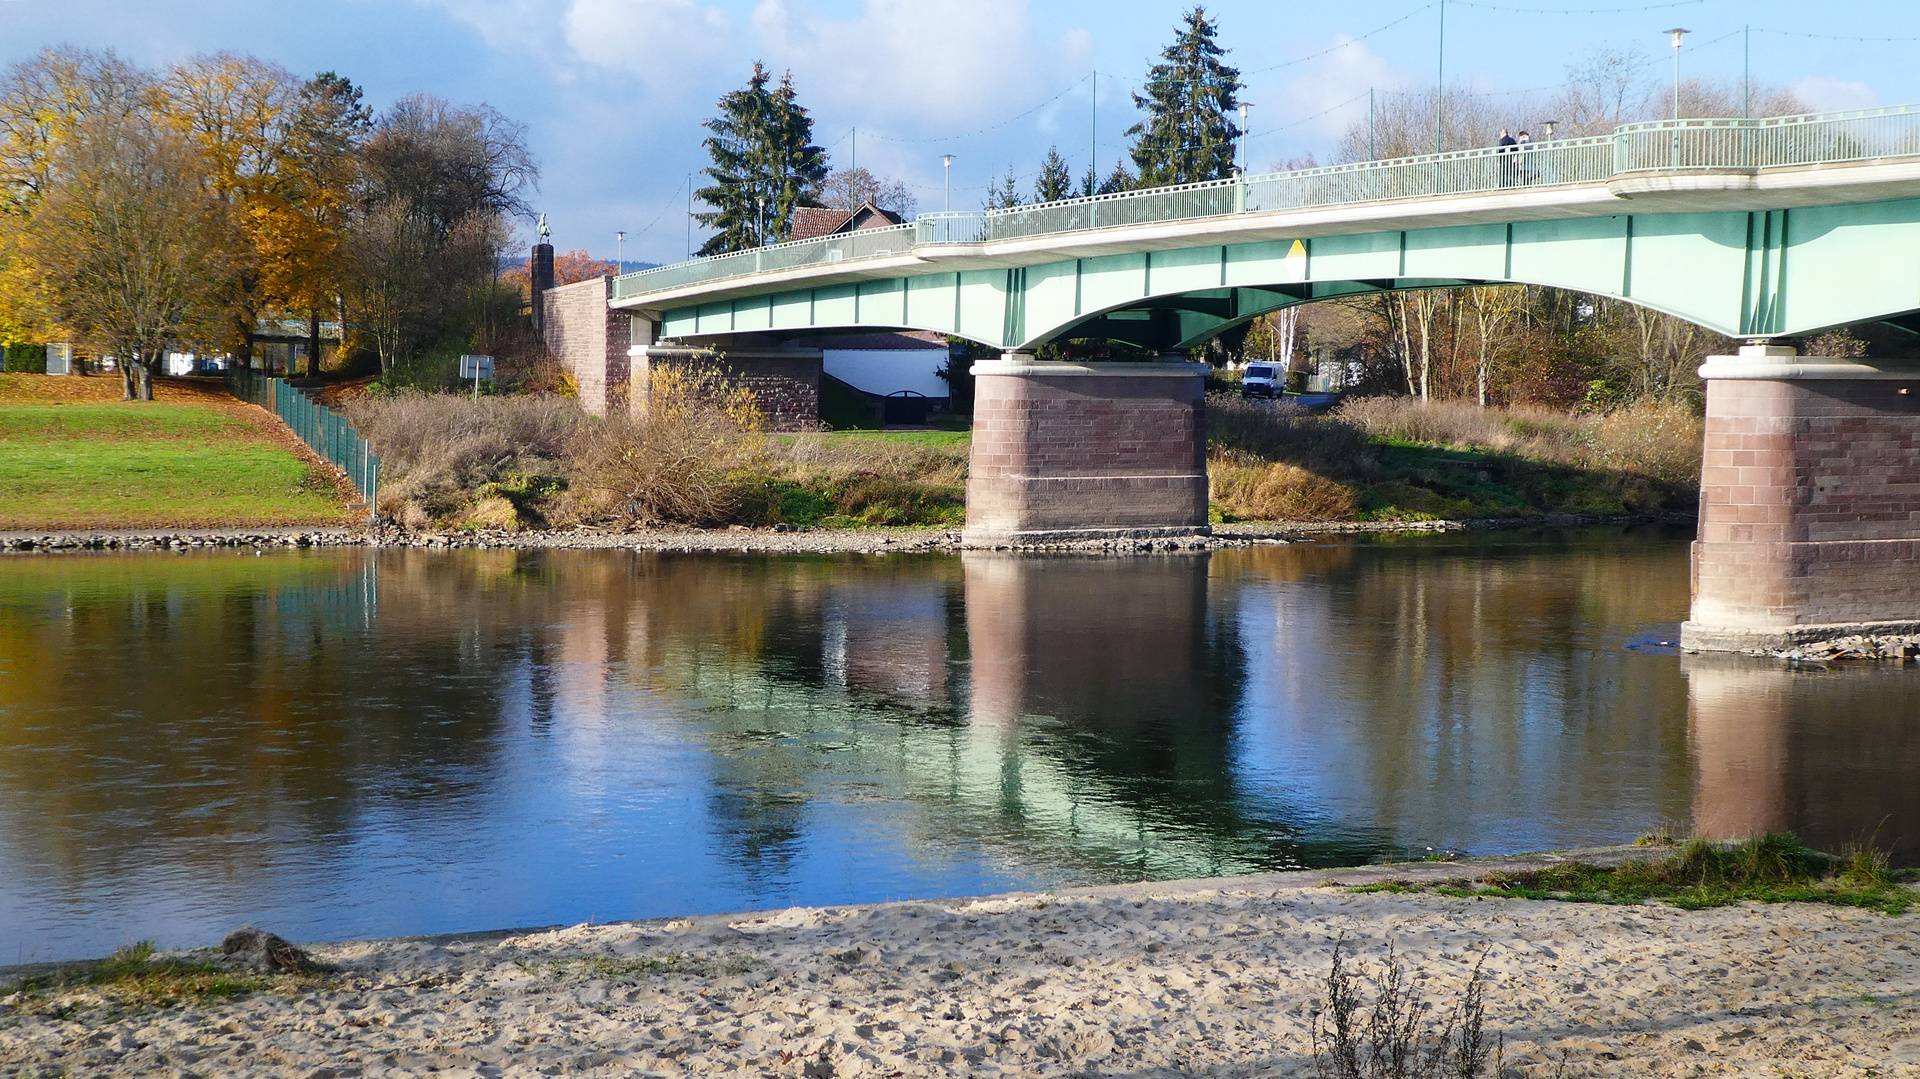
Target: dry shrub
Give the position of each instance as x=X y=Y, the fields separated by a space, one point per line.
x=1536 y=433
x=1655 y=440
x=693 y=458
x=438 y=449
x=1281 y=432
x=1244 y=486
x=1660 y=441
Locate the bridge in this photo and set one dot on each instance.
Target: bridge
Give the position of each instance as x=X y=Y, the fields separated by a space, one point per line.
x=1756 y=229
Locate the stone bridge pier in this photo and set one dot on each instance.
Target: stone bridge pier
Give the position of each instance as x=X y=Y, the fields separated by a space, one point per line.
x=1086 y=451
x=1809 y=501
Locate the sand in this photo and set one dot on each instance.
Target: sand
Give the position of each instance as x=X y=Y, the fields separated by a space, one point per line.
x=1194 y=978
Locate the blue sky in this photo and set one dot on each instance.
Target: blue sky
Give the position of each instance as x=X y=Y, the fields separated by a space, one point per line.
x=613 y=91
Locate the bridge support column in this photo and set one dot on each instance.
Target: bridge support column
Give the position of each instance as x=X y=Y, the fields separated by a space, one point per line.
x=1086 y=451
x=1809 y=501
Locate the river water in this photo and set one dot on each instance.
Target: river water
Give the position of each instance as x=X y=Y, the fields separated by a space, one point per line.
x=348 y=743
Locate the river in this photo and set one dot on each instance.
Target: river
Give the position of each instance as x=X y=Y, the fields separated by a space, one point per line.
x=348 y=743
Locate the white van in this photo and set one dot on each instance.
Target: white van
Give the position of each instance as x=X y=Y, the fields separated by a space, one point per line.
x=1262 y=380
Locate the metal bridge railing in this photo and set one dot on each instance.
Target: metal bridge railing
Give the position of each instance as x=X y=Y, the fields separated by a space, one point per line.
x=1656 y=146
x=325 y=432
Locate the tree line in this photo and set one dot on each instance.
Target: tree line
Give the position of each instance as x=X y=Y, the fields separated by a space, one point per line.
x=146 y=211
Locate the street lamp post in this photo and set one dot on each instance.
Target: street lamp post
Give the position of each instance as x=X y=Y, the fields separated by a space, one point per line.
x=620 y=256
x=1243 y=135
x=1678 y=33
x=946 y=196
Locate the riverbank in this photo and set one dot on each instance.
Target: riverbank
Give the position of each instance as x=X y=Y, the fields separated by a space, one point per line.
x=73 y=456
x=1209 y=977
x=740 y=539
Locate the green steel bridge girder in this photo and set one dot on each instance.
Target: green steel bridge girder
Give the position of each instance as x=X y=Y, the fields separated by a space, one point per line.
x=1756 y=273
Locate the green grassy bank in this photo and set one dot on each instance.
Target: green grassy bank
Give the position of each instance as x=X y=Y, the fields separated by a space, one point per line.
x=72 y=456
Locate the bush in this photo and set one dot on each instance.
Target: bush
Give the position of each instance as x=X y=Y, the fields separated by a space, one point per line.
x=439 y=451
x=1246 y=487
x=26 y=360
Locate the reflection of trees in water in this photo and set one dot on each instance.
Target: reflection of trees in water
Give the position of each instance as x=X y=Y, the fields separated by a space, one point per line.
x=1468 y=687
x=194 y=700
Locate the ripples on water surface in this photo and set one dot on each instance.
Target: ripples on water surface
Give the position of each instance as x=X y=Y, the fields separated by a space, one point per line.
x=351 y=743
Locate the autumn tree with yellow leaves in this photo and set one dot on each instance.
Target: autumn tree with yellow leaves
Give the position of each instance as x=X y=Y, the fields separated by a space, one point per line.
x=288 y=198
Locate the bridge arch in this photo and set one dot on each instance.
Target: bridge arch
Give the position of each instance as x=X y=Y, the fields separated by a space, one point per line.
x=1758 y=273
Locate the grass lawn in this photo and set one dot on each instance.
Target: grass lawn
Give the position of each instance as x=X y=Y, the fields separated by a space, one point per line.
x=73 y=456
x=930 y=439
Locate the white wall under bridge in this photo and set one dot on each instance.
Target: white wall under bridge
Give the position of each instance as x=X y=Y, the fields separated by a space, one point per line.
x=1744 y=273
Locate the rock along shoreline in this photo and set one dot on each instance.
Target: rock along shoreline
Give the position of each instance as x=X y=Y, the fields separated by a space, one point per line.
x=776 y=540
x=1218 y=977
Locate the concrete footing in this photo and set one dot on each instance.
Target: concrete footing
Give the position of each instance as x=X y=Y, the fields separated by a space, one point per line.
x=1076 y=452
x=1809 y=502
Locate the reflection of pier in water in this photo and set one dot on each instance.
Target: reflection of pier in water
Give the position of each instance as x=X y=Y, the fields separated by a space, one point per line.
x=1833 y=755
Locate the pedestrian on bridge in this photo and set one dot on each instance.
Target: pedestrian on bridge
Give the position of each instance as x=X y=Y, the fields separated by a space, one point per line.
x=1507 y=146
x=1523 y=145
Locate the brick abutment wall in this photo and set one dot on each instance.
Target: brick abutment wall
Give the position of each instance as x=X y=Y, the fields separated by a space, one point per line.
x=1809 y=508
x=1068 y=451
x=590 y=340
x=785 y=387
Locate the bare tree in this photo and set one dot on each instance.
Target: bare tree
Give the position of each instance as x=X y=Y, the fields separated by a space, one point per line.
x=135 y=249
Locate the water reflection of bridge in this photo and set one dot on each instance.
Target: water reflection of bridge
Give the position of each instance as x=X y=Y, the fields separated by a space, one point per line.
x=236 y=720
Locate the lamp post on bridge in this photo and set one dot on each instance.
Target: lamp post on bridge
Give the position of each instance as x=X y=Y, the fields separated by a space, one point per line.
x=946 y=195
x=1678 y=33
x=620 y=253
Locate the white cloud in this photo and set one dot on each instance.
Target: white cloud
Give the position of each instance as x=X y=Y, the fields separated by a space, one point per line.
x=1823 y=94
x=928 y=65
x=1315 y=106
x=670 y=45
x=518 y=26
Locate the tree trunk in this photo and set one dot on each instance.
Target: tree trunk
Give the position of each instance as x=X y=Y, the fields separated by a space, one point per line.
x=129 y=389
x=313 y=343
x=146 y=381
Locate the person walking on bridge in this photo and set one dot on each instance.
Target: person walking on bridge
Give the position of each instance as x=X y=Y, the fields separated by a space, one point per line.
x=1523 y=146
x=1507 y=146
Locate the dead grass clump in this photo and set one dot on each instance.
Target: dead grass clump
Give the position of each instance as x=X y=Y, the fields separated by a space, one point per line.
x=1329 y=445
x=1246 y=487
x=1660 y=441
x=438 y=450
x=1535 y=433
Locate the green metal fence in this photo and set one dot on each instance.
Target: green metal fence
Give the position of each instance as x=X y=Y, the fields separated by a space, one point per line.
x=1658 y=146
x=324 y=431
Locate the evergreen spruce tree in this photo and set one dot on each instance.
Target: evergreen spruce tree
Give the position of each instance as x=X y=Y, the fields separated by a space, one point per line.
x=1055 y=182
x=764 y=165
x=1003 y=195
x=1189 y=132
x=1118 y=180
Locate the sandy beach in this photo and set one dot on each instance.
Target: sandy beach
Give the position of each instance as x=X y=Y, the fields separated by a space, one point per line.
x=1216 y=977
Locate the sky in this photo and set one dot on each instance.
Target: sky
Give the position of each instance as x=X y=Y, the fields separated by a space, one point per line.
x=613 y=92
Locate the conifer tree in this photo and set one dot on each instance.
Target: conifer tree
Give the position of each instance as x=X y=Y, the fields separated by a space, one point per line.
x=1118 y=180
x=1055 y=182
x=1005 y=194
x=1189 y=132
x=764 y=165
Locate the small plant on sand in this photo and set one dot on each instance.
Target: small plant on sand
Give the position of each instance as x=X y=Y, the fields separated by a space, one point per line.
x=616 y=968
x=1396 y=1036
x=1700 y=873
x=132 y=976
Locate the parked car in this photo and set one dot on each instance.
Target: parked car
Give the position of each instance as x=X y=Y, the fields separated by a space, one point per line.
x=1261 y=380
